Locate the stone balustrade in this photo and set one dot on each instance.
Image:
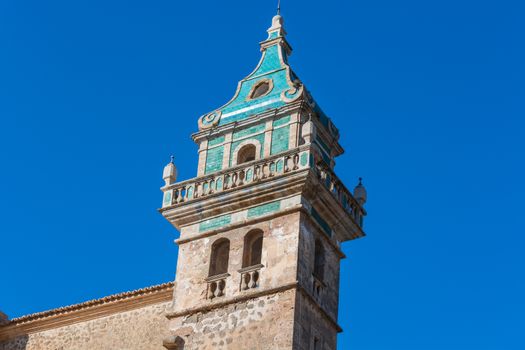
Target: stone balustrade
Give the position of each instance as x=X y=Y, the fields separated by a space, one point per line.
x=235 y=177
x=250 y=277
x=216 y=286
x=261 y=170
x=339 y=191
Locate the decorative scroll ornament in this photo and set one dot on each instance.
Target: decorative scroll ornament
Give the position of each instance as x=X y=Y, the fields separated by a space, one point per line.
x=210 y=120
x=293 y=93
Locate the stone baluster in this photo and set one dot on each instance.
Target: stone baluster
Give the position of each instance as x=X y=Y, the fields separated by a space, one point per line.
x=221 y=284
x=212 y=287
x=242 y=175
x=175 y=195
x=295 y=161
x=206 y=188
x=245 y=280
x=216 y=288
x=254 y=278
x=182 y=193
x=226 y=182
x=265 y=170
x=196 y=190
x=250 y=277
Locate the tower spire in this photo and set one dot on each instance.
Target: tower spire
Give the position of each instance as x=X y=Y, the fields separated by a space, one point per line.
x=278 y=7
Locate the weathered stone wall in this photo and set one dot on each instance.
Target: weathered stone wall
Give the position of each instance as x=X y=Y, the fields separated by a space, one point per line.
x=279 y=257
x=329 y=293
x=138 y=329
x=316 y=312
x=257 y=318
x=264 y=323
x=310 y=325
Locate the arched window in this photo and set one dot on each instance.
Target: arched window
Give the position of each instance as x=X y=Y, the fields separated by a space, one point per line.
x=260 y=89
x=220 y=254
x=246 y=154
x=253 y=243
x=319 y=260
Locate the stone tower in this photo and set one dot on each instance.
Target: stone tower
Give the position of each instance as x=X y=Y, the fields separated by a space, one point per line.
x=262 y=223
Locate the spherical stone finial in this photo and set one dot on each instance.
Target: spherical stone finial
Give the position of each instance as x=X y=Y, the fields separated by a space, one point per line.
x=360 y=192
x=170 y=172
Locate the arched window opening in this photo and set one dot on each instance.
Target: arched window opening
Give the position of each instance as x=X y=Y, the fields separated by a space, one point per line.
x=319 y=260
x=261 y=89
x=246 y=154
x=253 y=243
x=220 y=254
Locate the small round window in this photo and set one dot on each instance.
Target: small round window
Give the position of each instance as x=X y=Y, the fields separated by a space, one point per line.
x=261 y=89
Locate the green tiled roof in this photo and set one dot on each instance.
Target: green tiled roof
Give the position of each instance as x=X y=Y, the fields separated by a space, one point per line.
x=274 y=69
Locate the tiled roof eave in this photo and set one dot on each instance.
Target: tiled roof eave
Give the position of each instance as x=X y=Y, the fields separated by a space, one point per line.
x=87 y=310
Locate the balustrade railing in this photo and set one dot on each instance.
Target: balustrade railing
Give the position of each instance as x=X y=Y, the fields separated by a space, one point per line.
x=260 y=170
x=238 y=176
x=216 y=286
x=340 y=193
x=250 y=277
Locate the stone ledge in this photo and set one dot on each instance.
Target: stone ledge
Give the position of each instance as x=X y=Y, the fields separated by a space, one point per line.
x=238 y=299
x=291 y=286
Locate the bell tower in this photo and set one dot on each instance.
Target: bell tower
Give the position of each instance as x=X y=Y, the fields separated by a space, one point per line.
x=262 y=223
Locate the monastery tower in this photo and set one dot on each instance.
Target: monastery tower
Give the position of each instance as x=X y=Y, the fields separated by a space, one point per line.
x=262 y=223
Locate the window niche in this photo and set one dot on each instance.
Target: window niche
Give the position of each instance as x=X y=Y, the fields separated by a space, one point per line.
x=220 y=255
x=218 y=273
x=319 y=260
x=251 y=259
x=253 y=243
x=246 y=154
x=319 y=270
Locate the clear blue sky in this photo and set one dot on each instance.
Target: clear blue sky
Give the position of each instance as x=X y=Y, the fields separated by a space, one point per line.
x=428 y=96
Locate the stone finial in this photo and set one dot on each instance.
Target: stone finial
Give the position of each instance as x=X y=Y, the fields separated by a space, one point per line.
x=170 y=172
x=277 y=23
x=360 y=192
x=308 y=131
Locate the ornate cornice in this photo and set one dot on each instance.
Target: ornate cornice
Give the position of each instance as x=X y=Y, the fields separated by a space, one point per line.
x=88 y=310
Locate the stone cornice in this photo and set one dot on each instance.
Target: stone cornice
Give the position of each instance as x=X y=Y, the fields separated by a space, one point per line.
x=243 y=223
x=88 y=310
x=257 y=118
